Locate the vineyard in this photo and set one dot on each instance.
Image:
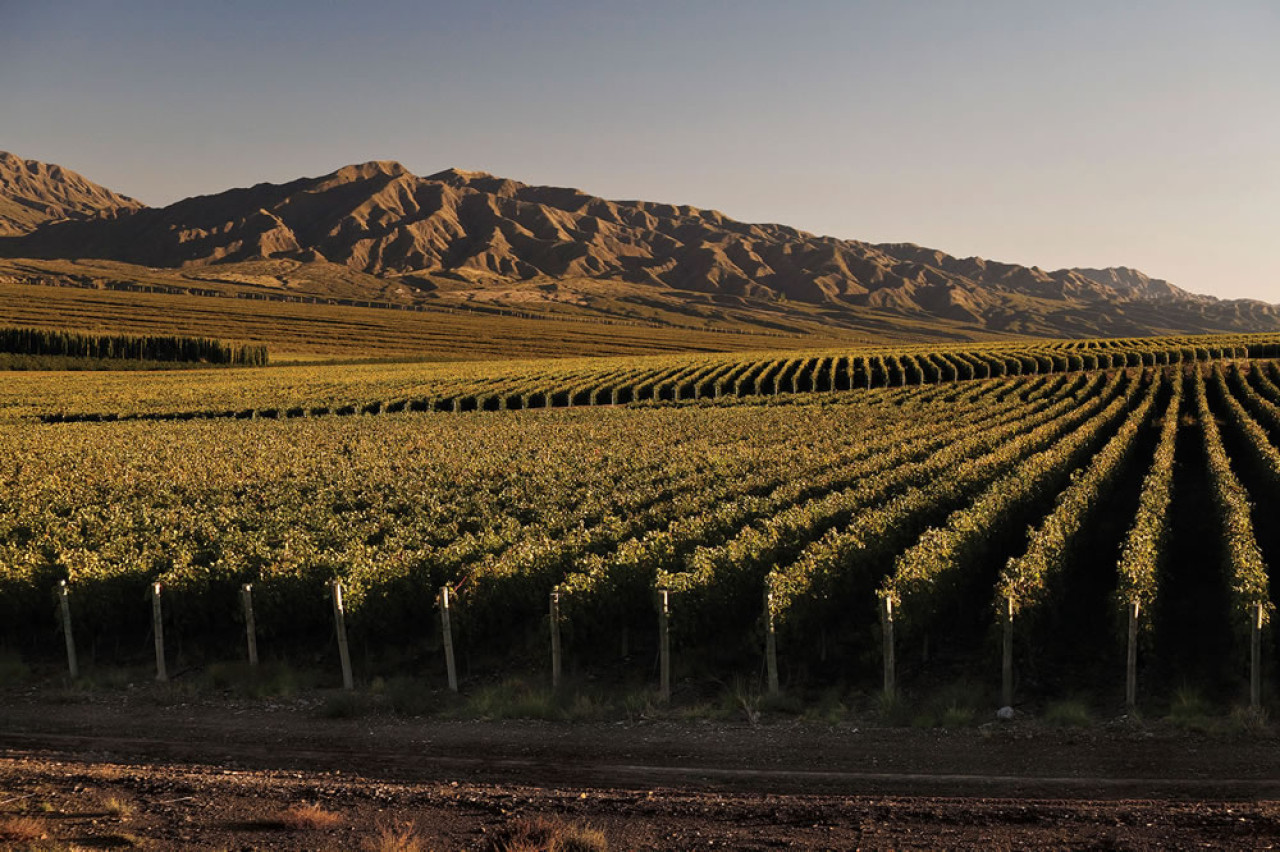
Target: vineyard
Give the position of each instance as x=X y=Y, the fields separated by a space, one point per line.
x=358 y=389
x=300 y=329
x=1055 y=512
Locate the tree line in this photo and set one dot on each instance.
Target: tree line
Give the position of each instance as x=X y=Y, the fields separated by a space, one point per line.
x=33 y=341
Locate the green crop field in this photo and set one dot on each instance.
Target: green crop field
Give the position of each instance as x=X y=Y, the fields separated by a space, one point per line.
x=971 y=508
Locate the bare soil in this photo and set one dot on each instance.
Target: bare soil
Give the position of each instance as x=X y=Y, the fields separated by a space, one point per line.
x=143 y=769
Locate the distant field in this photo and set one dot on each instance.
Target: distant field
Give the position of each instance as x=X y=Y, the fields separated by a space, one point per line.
x=323 y=389
x=326 y=332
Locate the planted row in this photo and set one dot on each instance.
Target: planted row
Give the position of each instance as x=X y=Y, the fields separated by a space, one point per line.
x=321 y=390
x=1026 y=579
x=1246 y=570
x=36 y=341
x=934 y=567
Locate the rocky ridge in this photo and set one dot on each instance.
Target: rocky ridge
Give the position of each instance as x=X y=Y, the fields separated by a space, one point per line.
x=34 y=193
x=380 y=219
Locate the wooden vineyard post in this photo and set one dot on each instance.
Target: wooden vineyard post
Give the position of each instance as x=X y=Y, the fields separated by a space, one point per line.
x=65 y=606
x=157 y=625
x=1006 y=680
x=770 y=645
x=446 y=629
x=250 y=629
x=664 y=646
x=340 y=625
x=1131 y=662
x=1255 y=658
x=555 y=640
x=886 y=619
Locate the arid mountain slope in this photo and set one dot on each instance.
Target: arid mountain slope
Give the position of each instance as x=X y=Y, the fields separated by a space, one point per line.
x=473 y=231
x=33 y=193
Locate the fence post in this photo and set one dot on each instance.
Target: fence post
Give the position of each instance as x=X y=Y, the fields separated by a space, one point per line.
x=886 y=614
x=555 y=640
x=1006 y=685
x=250 y=628
x=65 y=606
x=340 y=624
x=1255 y=659
x=1131 y=663
x=447 y=629
x=770 y=644
x=157 y=624
x=664 y=646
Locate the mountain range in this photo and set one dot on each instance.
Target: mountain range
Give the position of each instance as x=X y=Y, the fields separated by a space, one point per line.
x=33 y=193
x=470 y=237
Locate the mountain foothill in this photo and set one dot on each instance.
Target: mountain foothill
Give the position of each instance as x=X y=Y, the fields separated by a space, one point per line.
x=456 y=233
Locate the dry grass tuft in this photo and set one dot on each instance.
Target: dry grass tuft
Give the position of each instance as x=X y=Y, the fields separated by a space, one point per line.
x=308 y=818
x=22 y=829
x=543 y=835
x=395 y=838
x=117 y=806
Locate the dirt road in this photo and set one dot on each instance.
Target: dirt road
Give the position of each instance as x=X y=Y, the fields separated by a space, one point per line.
x=122 y=770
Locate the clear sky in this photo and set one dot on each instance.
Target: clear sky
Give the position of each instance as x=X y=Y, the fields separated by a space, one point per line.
x=1080 y=133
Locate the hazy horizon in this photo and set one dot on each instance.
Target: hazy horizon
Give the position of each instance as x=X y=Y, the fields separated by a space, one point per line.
x=1047 y=136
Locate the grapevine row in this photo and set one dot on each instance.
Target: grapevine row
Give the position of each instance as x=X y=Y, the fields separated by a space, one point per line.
x=308 y=392
x=1142 y=552
x=730 y=576
x=1246 y=570
x=497 y=590
x=602 y=587
x=1026 y=579
x=932 y=566
x=829 y=571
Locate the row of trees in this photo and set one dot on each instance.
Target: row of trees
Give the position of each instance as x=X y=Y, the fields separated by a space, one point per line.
x=43 y=342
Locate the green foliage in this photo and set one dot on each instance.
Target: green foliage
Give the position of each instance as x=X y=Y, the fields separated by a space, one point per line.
x=819 y=496
x=831 y=567
x=269 y=680
x=1026 y=579
x=33 y=341
x=496 y=386
x=1143 y=550
x=925 y=572
x=1190 y=709
x=1245 y=567
x=1068 y=713
x=518 y=698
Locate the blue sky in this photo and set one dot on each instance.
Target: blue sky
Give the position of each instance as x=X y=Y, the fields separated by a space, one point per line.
x=1058 y=134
